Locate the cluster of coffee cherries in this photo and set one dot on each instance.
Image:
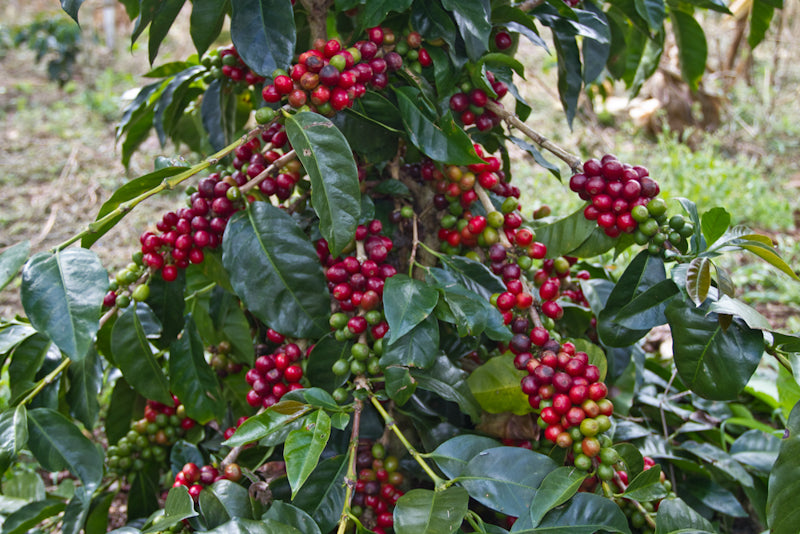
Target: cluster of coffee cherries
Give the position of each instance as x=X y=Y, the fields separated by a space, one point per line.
x=150 y=437
x=197 y=478
x=123 y=286
x=221 y=362
x=328 y=78
x=658 y=231
x=614 y=190
x=637 y=514
x=377 y=488
x=274 y=374
x=555 y=280
x=224 y=62
x=183 y=234
x=567 y=390
x=411 y=50
x=470 y=103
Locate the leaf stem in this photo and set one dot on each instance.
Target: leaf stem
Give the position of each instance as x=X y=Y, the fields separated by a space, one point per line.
x=572 y=160
x=46 y=381
x=350 y=477
x=438 y=482
x=414 y=245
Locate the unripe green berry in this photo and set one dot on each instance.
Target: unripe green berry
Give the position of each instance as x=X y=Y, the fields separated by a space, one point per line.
x=123 y=301
x=509 y=205
x=340 y=367
x=657 y=207
x=141 y=293
x=407 y=212
x=640 y=213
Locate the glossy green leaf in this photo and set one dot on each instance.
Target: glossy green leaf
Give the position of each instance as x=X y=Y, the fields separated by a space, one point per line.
x=128 y=191
x=496 y=386
x=374 y=140
x=407 y=302
x=400 y=386
x=473 y=314
x=71 y=8
x=643 y=273
x=374 y=12
x=62 y=294
x=570 y=79
x=179 y=506
x=192 y=379
x=674 y=515
x=134 y=356
x=760 y=18
x=646 y=486
x=453 y=455
x=162 y=21
x=783 y=514
x=263 y=32
x=449 y=382
x=652 y=11
x=729 y=306
x=30 y=515
x=322 y=496
x=287 y=514
x=565 y=235
x=183 y=452
x=768 y=254
x=505 y=478
x=304 y=446
x=586 y=513
x=124 y=404
x=26 y=363
x=85 y=383
x=715 y=497
x=318 y=366
x=268 y=422
x=712 y=362
x=75 y=513
x=595 y=52
x=432 y=21
x=252 y=526
x=144 y=492
x=315 y=397
x=719 y=461
x=472 y=21
x=205 y=23
x=418 y=348
x=647 y=308
x=171 y=103
x=473 y=275
x=698 y=279
x=422 y=511
x=97 y=520
x=328 y=159
x=222 y=501
x=756 y=449
x=166 y=302
x=58 y=444
x=537 y=156
x=13 y=434
x=442 y=141
x=215 y=111
x=714 y=223
x=11 y=261
x=276 y=272
x=557 y=488
x=692 y=47
x=12 y=335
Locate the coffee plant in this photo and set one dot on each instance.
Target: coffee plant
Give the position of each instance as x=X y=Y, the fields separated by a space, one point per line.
x=352 y=324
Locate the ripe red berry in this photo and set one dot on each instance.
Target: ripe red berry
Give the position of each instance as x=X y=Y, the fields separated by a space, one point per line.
x=502 y=40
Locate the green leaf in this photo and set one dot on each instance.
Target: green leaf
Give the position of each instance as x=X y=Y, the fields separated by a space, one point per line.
x=496 y=386
x=58 y=444
x=400 y=386
x=756 y=449
x=712 y=362
x=586 y=513
x=783 y=515
x=304 y=446
x=30 y=515
x=422 y=511
x=374 y=12
x=13 y=434
x=12 y=335
x=205 y=23
x=729 y=306
x=453 y=455
x=85 y=383
x=449 y=382
x=766 y=253
x=698 y=279
x=267 y=422
x=715 y=497
x=315 y=397
x=674 y=515
x=166 y=301
x=646 y=486
x=472 y=21
x=123 y=404
x=71 y=8
x=134 y=355
x=715 y=223
x=417 y=348
x=215 y=112
x=557 y=488
x=222 y=501
x=505 y=478
x=322 y=496
x=263 y=32
x=192 y=379
x=128 y=191
x=595 y=51
x=570 y=80
x=473 y=275
x=565 y=235
x=162 y=21
x=276 y=272
x=27 y=363
x=537 y=157
x=252 y=526
x=11 y=261
x=318 y=366
x=97 y=520
x=144 y=492
x=652 y=11
x=760 y=18
x=648 y=307
x=407 y=302
x=692 y=47
x=328 y=159
x=287 y=514
x=642 y=274
x=171 y=103
x=472 y=314
x=62 y=294
x=443 y=141
x=179 y=506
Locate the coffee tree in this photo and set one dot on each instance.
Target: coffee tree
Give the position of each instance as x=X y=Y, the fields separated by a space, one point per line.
x=354 y=325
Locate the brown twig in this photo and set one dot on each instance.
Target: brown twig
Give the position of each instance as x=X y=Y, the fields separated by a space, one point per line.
x=350 y=477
